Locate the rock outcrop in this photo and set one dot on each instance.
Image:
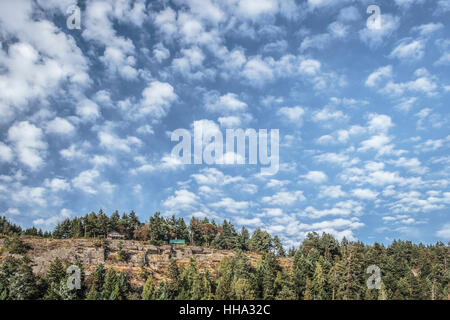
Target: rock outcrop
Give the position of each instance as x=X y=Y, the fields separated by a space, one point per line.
x=138 y=256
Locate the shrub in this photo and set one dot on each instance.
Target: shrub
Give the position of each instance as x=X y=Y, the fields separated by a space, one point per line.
x=15 y=245
x=123 y=255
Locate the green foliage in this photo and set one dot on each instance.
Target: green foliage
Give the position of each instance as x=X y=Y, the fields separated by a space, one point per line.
x=321 y=268
x=15 y=245
x=123 y=255
x=17 y=281
x=260 y=241
x=8 y=228
x=148 y=293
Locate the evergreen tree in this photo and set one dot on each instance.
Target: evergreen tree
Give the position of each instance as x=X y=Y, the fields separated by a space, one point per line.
x=148 y=293
x=318 y=284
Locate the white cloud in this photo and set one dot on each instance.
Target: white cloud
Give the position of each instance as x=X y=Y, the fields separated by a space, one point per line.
x=378 y=75
x=228 y=103
x=257 y=71
x=60 y=126
x=52 y=221
x=230 y=122
x=11 y=212
x=408 y=3
x=342 y=208
x=88 y=110
x=310 y=67
x=379 y=123
x=214 y=177
x=6 y=153
x=157 y=99
x=327 y=114
x=294 y=114
x=409 y=50
x=274 y=183
x=333 y=192
x=375 y=36
x=160 y=52
x=412 y=164
x=427 y=29
x=349 y=14
x=444 y=60
x=111 y=142
x=28 y=144
x=443 y=6
x=284 y=198
x=365 y=194
x=379 y=143
x=254 y=222
x=57 y=184
x=86 y=181
x=36 y=68
x=231 y=205
x=145 y=130
x=30 y=196
x=315 y=176
x=182 y=200
x=444 y=232
x=98 y=23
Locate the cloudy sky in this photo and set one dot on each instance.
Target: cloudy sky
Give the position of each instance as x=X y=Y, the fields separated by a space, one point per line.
x=363 y=114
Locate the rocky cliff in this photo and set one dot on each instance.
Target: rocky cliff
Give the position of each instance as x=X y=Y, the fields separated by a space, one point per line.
x=154 y=259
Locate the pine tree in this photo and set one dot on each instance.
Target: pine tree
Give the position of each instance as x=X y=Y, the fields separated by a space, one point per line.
x=163 y=292
x=382 y=295
x=301 y=270
x=56 y=272
x=318 y=284
x=278 y=247
x=243 y=290
x=307 y=295
x=109 y=284
x=244 y=239
x=260 y=241
x=174 y=278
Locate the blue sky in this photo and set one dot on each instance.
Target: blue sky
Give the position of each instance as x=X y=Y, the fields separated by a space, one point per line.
x=86 y=115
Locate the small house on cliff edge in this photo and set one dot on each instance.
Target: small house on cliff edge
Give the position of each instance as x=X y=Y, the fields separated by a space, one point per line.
x=113 y=235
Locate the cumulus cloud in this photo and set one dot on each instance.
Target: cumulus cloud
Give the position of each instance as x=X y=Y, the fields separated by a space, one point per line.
x=375 y=36
x=294 y=114
x=231 y=205
x=6 y=153
x=57 y=184
x=444 y=232
x=378 y=75
x=409 y=50
x=157 y=99
x=315 y=176
x=365 y=194
x=60 y=126
x=29 y=144
x=228 y=103
x=182 y=200
x=284 y=198
x=53 y=220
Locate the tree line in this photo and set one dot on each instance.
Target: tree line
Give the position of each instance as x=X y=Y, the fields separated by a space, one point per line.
x=157 y=230
x=321 y=268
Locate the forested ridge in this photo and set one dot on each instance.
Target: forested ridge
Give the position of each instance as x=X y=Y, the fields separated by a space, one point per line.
x=323 y=268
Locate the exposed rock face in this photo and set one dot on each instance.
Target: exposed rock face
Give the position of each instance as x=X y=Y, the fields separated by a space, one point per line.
x=154 y=259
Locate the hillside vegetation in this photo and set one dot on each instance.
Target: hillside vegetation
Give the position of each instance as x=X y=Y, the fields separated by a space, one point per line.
x=217 y=263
